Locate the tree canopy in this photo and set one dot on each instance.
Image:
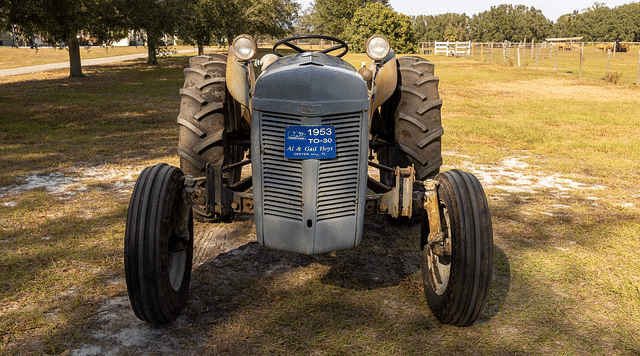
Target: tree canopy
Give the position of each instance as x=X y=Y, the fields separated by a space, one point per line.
x=600 y=23
x=447 y=27
x=333 y=16
x=155 y=19
x=509 y=23
x=204 y=21
x=518 y=23
x=62 y=21
x=376 y=18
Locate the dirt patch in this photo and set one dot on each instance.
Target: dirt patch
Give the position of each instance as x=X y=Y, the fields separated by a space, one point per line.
x=514 y=175
x=227 y=262
x=118 y=180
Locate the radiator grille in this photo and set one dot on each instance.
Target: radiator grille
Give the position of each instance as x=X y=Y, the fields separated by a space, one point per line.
x=338 y=179
x=282 y=179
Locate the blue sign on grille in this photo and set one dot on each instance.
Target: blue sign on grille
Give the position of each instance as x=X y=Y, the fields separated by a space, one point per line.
x=309 y=142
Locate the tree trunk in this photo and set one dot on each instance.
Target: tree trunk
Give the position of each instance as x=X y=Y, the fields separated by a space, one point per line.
x=200 y=48
x=75 y=64
x=152 y=44
x=152 y=59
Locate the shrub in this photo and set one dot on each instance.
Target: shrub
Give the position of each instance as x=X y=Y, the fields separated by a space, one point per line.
x=612 y=77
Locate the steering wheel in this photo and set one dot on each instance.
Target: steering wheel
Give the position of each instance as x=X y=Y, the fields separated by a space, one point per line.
x=287 y=42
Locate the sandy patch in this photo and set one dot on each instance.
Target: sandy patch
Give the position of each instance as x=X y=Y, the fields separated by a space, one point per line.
x=514 y=175
x=119 y=180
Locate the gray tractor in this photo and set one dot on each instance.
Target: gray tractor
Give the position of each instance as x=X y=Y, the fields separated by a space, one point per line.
x=312 y=128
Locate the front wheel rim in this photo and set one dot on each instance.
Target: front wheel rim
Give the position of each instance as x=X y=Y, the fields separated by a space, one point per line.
x=177 y=265
x=439 y=268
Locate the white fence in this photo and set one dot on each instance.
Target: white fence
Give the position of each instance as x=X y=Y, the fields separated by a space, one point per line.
x=454 y=49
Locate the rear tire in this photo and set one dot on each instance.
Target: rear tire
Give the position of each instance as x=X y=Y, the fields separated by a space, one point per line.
x=157 y=261
x=456 y=286
x=202 y=113
x=205 y=120
x=415 y=111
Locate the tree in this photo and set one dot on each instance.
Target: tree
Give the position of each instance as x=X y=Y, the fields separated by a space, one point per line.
x=567 y=26
x=62 y=21
x=198 y=24
x=155 y=18
x=597 y=23
x=335 y=15
x=509 y=23
x=308 y=22
x=376 y=18
x=204 y=20
x=600 y=23
x=627 y=24
x=270 y=17
x=109 y=23
x=448 y=27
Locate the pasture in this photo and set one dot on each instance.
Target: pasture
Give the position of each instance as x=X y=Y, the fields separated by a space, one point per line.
x=558 y=156
x=596 y=63
x=25 y=57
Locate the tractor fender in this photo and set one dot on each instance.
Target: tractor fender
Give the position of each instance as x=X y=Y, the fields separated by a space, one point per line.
x=384 y=82
x=238 y=80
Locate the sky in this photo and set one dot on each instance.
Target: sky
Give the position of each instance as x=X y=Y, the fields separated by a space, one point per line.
x=552 y=9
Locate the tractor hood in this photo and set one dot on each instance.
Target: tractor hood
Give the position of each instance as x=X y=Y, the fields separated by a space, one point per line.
x=311 y=78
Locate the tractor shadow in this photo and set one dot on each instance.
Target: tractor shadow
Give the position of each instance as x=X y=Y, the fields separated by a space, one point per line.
x=231 y=270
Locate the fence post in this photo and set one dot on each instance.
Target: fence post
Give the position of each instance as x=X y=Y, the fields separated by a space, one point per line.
x=491 y=53
x=556 y=59
x=581 y=55
x=518 y=57
x=638 y=78
x=537 y=56
x=614 y=51
x=504 y=54
x=608 y=60
x=532 y=47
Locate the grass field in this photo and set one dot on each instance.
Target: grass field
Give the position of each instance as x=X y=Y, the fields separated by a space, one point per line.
x=558 y=156
x=11 y=57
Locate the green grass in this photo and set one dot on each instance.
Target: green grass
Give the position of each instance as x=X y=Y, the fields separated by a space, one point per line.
x=566 y=272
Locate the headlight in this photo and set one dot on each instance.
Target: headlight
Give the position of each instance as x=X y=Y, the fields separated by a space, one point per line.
x=267 y=60
x=244 y=47
x=378 y=47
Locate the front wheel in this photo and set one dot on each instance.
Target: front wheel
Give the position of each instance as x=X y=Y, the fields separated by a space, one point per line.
x=158 y=247
x=456 y=285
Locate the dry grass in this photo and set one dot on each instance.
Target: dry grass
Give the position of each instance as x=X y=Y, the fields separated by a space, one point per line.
x=11 y=57
x=63 y=238
x=558 y=157
x=621 y=66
